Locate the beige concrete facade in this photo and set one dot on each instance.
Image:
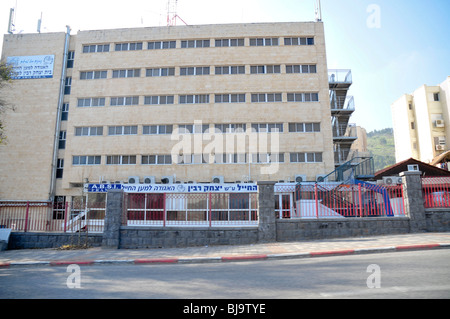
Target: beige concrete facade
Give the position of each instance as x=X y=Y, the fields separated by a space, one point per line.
x=422 y=123
x=266 y=91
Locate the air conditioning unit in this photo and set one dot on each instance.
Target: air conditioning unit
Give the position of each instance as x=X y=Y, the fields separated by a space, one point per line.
x=167 y=180
x=133 y=179
x=300 y=178
x=439 y=123
x=218 y=179
x=149 y=180
x=321 y=178
x=413 y=168
x=392 y=180
x=440 y=147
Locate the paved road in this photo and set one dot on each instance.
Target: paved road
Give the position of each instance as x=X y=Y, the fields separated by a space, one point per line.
x=413 y=274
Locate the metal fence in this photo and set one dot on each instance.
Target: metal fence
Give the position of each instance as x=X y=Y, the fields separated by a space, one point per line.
x=43 y=216
x=333 y=200
x=436 y=192
x=205 y=210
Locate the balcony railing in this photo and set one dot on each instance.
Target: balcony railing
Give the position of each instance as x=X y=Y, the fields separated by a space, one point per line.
x=346 y=131
x=340 y=76
x=342 y=103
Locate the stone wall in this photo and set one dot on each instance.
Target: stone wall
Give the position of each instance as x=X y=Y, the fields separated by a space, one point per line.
x=145 y=237
x=296 y=229
x=269 y=229
x=25 y=240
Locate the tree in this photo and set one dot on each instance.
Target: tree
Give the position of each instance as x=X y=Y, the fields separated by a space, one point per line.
x=6 y=73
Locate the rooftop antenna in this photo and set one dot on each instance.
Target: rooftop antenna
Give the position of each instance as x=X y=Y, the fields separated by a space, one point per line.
x=172 y=13
x=318 y=9
x=11 y=25
x=39 y=24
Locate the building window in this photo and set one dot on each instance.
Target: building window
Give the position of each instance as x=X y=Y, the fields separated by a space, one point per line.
x=96 y=48
x=304 y=127
x=196 y=128
x=229 y=98
x=195 y=44
x=93 y=75
x=122 y=130
x=265 y=69
x=305 y=157
x=230 y=128
x=156 y=160
x=266 y=97
x=159 y=99
x=86 y=160
x=195 y=70
x=121 y=160
x=65 y=112
x=133 y=46
x=299 y=41
x=229 y=42
x=303 y=97
x=62 y=140
x=124 y=100
x=89 y=131
x=91 y=102
x=230 y=158
x=230 y=70
x=436 y=97
x=303 y=68
x=70 y=59
x=258 y=42
x=267 y=127
x=132 y=73
x=160 y=72
x=194 y=99
x=158 y=45
x=59 y=168
x=157 y=129
x=67 y=85
x=265 y=158
x=192 y=159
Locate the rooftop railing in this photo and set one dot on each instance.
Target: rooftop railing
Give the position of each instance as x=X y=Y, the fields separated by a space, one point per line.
x=340 y=76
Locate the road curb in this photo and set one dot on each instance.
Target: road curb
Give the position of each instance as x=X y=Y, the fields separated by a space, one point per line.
x=240 y=258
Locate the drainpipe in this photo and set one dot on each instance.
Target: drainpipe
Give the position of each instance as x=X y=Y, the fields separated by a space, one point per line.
x=58 y=115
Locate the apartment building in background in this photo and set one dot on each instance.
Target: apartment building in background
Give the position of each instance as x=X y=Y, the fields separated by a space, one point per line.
x=421 y=123
x=203 y=104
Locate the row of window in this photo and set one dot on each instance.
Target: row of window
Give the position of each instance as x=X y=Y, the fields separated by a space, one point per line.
x=198 y=70
x=203 y=43
x=196 y=128
x=198 y=99
x=165 y=159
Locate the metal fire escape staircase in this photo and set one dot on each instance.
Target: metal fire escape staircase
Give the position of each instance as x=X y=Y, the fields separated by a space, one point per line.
x=342 y=107
x=347 y=167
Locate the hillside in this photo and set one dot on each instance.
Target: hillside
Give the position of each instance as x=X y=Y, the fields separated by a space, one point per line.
x=381 y=147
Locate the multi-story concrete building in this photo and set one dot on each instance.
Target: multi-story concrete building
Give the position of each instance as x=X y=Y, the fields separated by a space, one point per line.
x=210 y=103
x=422 y=123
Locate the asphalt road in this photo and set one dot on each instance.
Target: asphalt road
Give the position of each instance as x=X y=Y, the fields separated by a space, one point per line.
x=413 y=274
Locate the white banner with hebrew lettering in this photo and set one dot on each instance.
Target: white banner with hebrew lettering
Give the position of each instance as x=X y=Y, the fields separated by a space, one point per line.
x=32 y=67
x=175 y=188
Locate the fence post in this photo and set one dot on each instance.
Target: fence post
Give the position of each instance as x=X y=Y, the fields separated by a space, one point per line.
x=266 y=205
x=113 y=219
x=65 y=216
x=26 y=216
x=413 y=197
x=210 y=209
x=317 y=200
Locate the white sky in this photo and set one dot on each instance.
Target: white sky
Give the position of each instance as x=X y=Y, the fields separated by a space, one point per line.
x=407 y=49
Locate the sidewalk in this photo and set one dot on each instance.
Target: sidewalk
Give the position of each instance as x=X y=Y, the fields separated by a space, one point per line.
x=277 y=250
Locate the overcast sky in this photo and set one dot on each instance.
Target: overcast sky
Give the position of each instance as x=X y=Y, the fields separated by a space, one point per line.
x=392 y=47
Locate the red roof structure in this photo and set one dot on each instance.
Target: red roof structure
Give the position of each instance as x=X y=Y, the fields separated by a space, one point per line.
x=426 y=169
